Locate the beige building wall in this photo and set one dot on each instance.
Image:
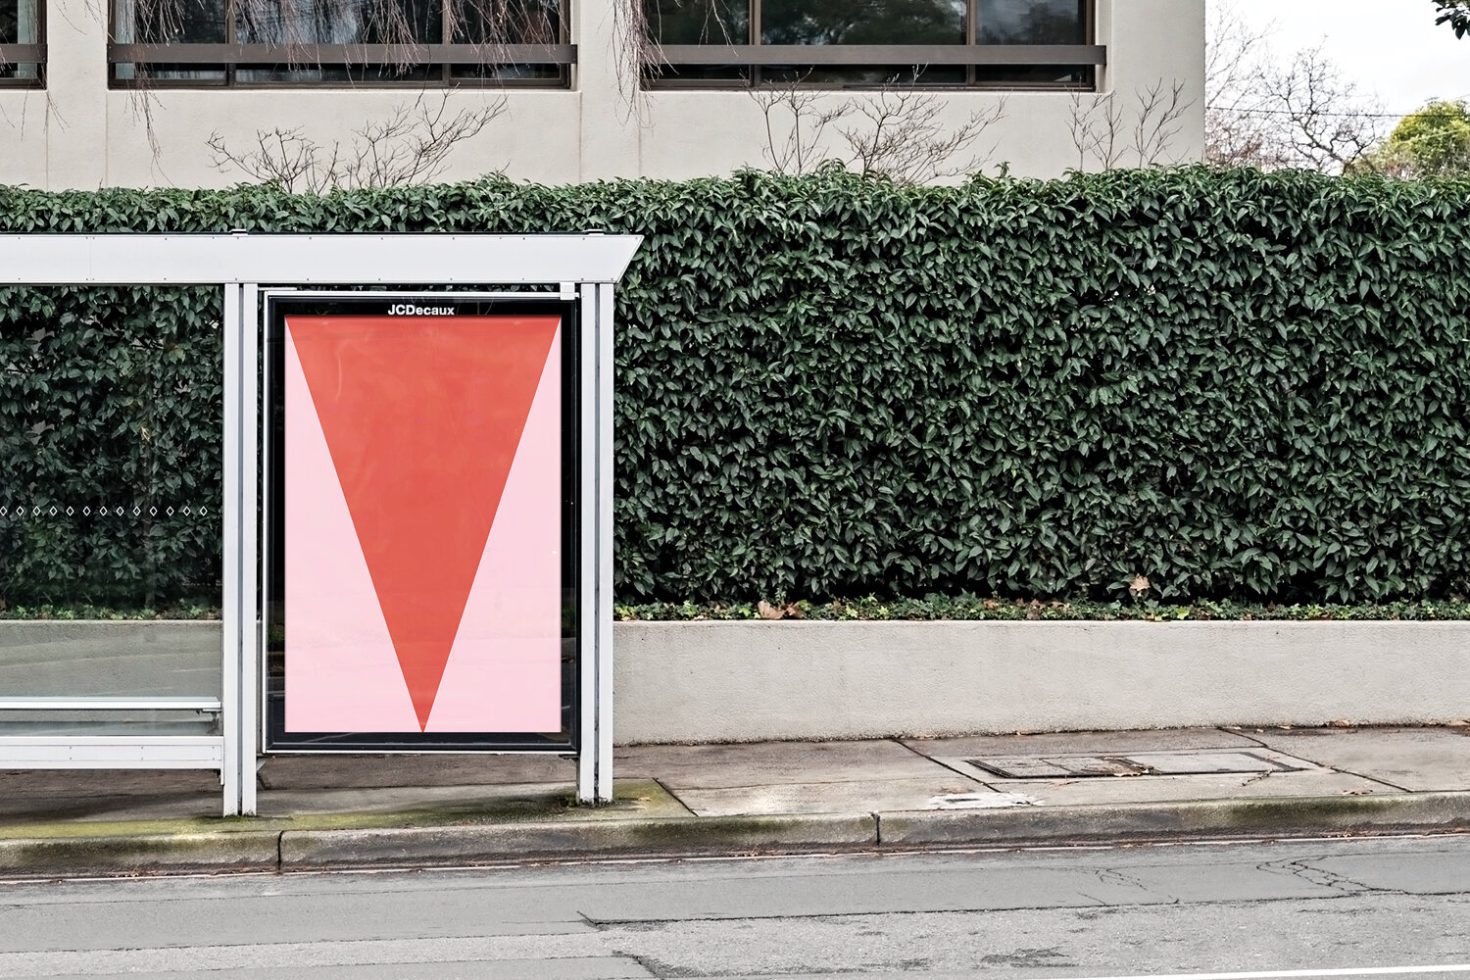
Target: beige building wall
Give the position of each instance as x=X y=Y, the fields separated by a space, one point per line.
x=78 y=134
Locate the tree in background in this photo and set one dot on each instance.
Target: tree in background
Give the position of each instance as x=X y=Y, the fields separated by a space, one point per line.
x=1264 y=111
x=1433 y=142
x=1455 y=13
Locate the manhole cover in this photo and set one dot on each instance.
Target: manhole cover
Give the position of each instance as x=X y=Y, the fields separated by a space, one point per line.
x=1203 y=763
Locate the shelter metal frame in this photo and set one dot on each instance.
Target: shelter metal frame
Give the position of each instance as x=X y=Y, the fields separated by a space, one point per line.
x=581 y=267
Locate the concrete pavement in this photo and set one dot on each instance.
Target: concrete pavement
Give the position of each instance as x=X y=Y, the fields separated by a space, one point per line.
x=342 y=811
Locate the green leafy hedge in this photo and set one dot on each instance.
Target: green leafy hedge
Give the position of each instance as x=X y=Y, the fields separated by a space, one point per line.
x=1189 y=383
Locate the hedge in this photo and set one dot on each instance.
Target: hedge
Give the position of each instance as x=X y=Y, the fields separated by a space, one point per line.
x=894 y=609
x=1187 y=384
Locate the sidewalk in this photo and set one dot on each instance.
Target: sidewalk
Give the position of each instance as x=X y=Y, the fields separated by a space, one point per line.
x=324 y=811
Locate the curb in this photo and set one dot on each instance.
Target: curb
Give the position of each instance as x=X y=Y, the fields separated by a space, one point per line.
x=1274 y=817
x=269 y=851
x=670 y=835
x=247 y=850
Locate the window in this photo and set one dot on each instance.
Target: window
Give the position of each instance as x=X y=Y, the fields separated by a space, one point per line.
x=979 y=43
x=22 y=53
x=339 y=42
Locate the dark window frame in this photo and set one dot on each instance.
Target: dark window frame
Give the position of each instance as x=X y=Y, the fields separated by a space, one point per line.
x=972 y=55
x=231 y=55
x=27 y=54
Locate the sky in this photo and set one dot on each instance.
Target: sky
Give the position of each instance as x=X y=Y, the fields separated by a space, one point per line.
x=1391 y=47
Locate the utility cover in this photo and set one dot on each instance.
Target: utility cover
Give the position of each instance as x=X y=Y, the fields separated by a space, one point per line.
x=1197 y=763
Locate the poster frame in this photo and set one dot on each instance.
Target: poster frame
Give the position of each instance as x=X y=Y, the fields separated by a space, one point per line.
x=275 y=306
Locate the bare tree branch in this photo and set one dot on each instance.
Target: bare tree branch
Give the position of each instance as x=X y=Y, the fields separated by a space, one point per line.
x=903 y=137
x=897 y=133
x=1096 y=126
x=413 y=145
x=1161 y=110
x=1263 y=112
x=794 y=127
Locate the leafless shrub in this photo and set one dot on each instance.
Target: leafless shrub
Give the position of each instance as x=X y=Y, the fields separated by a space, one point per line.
x=795 y=127
x=1097 y=126
x=903 y=137
x=411 y=146
x=1161 y=109
x=1104 y=129
x=896 y=133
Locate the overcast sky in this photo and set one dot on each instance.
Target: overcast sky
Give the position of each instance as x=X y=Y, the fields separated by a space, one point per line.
x=1391 y=47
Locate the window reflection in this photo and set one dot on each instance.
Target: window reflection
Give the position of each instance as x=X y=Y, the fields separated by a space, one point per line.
x=866 y=76
x=507 y=22
x=699 y=21
x=863 y=25
x=339 y=21
x=863 y=21
x=296 y=25
x=169 y=22
x=18 y=25
x=1032 y=22
x=18 y=22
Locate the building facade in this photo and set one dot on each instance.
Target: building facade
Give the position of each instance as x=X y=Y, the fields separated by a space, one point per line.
x=134 y=93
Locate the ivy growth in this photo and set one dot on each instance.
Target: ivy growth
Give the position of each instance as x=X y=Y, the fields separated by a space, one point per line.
x=1187 y=384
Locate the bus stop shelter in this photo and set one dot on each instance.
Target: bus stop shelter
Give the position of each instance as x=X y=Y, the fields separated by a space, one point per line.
x=414 y=428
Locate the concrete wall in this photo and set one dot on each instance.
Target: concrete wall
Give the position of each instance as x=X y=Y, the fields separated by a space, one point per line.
x=740 y=681
x=80 y=134
x=692 y=682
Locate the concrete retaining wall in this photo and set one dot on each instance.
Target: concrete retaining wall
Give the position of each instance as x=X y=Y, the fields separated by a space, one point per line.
x=688 y=682
x=744 y=681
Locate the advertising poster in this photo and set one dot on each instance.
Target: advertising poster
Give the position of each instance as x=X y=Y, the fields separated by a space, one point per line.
x=422 y=479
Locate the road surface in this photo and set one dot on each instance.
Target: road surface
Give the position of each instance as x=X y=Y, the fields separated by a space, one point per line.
x=1370 y=906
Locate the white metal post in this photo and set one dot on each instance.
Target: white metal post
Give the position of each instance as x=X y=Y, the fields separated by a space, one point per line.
x=251 y=642
x=604 y=644
x=230 y=553
x=586 y=422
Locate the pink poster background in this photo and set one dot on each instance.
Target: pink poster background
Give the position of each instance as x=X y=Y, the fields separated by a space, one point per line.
x=504 y=669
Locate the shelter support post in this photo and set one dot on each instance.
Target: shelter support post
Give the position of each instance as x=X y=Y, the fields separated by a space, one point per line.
x=231 y=553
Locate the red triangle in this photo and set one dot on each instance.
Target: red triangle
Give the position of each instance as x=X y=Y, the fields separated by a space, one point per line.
x=423 y=416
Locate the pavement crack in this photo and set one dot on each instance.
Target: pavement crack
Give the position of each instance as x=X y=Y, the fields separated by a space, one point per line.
x=1371 y=779
x=1114 y=876
x=1303 y=868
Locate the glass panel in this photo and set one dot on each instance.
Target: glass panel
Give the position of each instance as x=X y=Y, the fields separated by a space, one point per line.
x=863 y=21
x=1032 y=22
x=865 y=76
x=18 y=22
x=699 y=21
x=493 y=22
x=337 y=74
x=97 y=722
x=339 y=21
x=1037 y=76
x=695 y=74
x=162 y=72
x=509 y=73
x=169 y=22
x=109 y=496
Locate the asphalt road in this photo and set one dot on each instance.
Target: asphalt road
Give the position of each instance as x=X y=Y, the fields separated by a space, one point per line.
x=1365 y=905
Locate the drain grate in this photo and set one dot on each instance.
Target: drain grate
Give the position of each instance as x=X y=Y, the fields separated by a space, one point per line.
x=1203 y=763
